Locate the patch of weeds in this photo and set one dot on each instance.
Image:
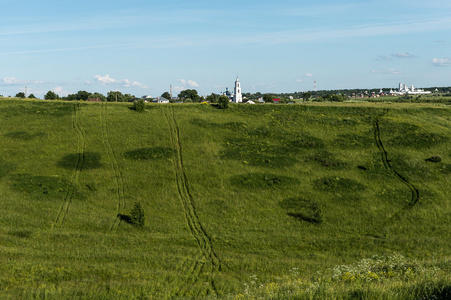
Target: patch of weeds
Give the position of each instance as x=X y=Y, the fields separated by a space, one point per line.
x=392 y=127
x=418 y=139
x=354 y=141
x=203 y=123
x=302 y=209
x=337 y=184
x=326 y=159
x=445 y=169
x=43 y=108
x=263 y=132
x=87 y=160
x=257 y=152
x=21 y=233
x=234 y=125
x=262 y=180
x=91 y=186
x=149 y=153
x=6 y=167
x=23 y=135
x=345 y=122
x=409 y=167
x=395 y=195
x=434 y=159
x=40 y=186
x=305 y=141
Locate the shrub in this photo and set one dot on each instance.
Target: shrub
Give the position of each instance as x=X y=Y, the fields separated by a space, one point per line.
x=302 y=209
x=223 y=102
x=138 y=105
x=137 y=217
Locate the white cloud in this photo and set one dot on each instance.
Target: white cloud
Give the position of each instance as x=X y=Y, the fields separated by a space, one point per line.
x=309 y=75
x=128 y=83
x=186 y=84
x=192 y=83
x=441 y=62
x=299 y=80
x=104 y=79
x=391 y=71
x=60 y=91
x=11 y=81
x=107 y=80
x=403 y=55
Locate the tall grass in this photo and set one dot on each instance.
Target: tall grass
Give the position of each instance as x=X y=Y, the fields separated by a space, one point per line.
x=276 y=192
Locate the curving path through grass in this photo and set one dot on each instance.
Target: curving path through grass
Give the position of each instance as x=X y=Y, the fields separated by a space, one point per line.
x=415 y=194
x=120 y=191
x=81 y=147
x=210 y=262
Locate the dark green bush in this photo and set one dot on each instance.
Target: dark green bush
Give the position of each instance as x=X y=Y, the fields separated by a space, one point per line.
x=137 y=217
x=138 y=105
x=302 y=209
x=223 y=102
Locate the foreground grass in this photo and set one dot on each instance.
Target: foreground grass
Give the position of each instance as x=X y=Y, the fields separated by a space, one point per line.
x=266 y=194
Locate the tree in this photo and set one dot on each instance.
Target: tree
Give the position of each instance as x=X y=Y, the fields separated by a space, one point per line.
x=83 y=95
x=306 y=96
x=98 y=96
x=213 y=98
x=20 y=95
x=189 y=94
x=137 y=217
x=115 y=96
x=51 y=96
x=32 y=96
x=128 y=98
x=138 y=105
x=223 y=102
x=268 y=98
x=166 y=95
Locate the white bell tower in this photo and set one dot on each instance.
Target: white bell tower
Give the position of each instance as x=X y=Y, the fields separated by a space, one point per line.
x=237 y=97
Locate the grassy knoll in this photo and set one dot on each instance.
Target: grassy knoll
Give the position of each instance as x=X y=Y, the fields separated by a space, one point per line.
x=344 y=201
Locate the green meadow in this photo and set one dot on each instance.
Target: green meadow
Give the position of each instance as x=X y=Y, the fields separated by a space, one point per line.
x=316 y=201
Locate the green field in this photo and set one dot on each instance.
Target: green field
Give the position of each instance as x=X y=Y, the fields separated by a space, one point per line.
x=265 y=201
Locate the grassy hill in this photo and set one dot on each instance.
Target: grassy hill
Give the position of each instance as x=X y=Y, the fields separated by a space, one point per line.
x=270 y=201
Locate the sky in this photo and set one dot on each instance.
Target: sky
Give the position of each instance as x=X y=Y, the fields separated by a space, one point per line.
x=142 y=47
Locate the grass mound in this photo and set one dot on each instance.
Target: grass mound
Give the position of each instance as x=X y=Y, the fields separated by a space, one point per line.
x=350 y=140
x=418 y=140
x=40 y=187
x=338 y=185
x=302 y=209
x=326 y=159
x=88 y=160
x=24 y=136
x=6 y=167
x=257 y=152
x=262 y=180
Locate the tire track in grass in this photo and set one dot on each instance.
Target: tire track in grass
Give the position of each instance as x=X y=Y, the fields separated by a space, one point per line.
x=209 y=262
x=199 y=281
x=120 y=192
x=415 y=193
x=81 y=145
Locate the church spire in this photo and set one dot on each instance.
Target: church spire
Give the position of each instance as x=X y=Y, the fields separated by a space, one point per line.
x=237 y=97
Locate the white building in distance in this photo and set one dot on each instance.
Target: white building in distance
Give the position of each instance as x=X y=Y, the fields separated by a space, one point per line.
x=237 y=97
x=412 y=90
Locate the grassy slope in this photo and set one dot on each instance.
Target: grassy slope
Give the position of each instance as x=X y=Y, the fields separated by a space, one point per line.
x=213 y=185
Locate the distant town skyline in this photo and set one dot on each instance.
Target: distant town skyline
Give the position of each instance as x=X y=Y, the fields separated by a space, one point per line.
x=142 y=47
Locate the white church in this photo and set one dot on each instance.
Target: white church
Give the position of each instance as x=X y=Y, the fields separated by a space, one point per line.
x=236 y=96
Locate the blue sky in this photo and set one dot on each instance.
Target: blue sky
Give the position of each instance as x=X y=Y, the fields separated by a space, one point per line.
x=143 y=47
